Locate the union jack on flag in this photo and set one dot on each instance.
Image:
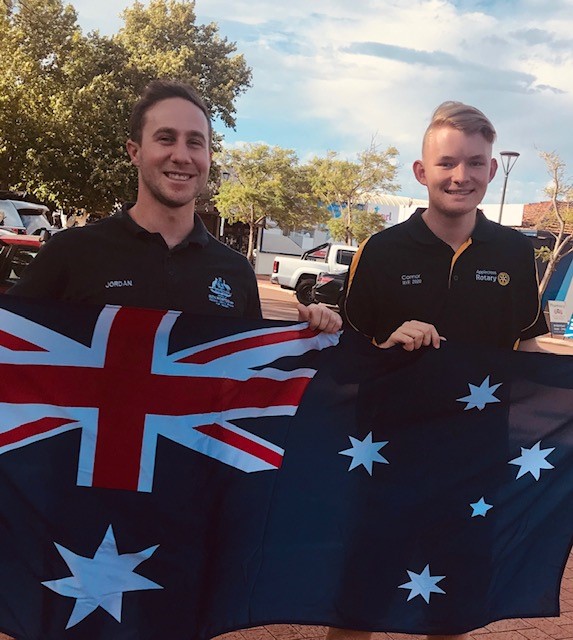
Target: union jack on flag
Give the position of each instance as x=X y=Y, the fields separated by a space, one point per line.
x=126 y=388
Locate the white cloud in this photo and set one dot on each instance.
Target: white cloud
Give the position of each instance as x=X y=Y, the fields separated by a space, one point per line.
x=329 y=74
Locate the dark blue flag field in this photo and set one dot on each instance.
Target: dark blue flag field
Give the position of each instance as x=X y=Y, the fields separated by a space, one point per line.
x=168 y=476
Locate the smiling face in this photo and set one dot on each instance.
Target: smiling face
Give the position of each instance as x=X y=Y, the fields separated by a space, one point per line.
x=174 y=155
x=456 y=168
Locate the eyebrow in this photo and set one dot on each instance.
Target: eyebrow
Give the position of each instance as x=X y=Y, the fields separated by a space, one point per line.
x=173 y=132
x=476 y=157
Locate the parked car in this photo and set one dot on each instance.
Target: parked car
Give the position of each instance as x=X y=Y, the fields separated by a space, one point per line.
x=16 y=252
x=300 y=273
x=329 y=288
x=25 y=217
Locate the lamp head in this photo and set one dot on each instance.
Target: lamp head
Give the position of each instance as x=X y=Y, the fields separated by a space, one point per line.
x=508 y=159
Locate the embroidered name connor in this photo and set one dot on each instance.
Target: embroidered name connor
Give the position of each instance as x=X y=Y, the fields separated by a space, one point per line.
x=118 y=283
x=414 y=278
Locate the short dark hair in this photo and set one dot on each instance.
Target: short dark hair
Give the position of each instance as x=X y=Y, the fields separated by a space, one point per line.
x=462 y=117
x=159 y=90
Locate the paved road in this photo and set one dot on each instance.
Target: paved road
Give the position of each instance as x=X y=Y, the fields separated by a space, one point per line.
x=277 y=303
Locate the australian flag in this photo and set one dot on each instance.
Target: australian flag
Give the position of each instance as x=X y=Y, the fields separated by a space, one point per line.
x=163 y=475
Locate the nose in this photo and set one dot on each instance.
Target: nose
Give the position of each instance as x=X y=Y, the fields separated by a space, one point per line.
x=180 y=152
x=460 y=173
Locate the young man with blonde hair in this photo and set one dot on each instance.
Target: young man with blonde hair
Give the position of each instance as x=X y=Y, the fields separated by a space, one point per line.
x=447 y=273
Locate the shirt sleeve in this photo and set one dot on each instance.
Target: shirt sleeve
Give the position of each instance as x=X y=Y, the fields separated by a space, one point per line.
x=359 y=307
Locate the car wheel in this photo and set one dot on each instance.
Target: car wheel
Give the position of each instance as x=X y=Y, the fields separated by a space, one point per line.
x=304 y=291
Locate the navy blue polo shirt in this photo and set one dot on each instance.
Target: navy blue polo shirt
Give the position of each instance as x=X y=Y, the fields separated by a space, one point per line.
x=484 y=293
x=115 y=261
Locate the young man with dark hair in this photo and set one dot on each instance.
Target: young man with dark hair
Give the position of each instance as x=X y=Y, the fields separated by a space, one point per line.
x=157 y=91
x=157 y=253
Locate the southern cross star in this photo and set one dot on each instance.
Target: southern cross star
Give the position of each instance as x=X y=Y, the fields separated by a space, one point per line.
x=102 y=580
x=364 y=452
x=480 y=508
x=480 y=396
x=532 y=461
x=422 y=584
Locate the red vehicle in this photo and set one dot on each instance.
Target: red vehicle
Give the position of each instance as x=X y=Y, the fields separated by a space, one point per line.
x=16 y=252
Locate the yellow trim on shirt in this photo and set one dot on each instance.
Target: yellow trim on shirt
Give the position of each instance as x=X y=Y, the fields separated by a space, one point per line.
x=457 y=254
x=351 y=273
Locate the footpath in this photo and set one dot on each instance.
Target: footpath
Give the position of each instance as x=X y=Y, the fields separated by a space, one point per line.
x=563 y=346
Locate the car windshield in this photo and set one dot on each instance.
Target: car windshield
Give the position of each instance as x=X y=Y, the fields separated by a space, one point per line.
x=34 y=221
x=345 y=257
x=9 y=217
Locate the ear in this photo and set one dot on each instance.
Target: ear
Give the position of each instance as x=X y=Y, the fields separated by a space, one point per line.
x=492 y=169
x=420 y=172
x=133 y=150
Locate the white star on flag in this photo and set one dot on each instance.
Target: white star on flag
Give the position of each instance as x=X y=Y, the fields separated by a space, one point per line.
x=422 y=584
x=480 y=508
x=364 y=452
x=480 y=396
x=102 y=580
x=532 y=461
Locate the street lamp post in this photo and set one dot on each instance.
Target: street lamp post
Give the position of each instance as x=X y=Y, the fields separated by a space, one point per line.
x=508 y=159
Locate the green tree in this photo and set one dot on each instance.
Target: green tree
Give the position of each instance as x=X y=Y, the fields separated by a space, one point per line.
x=163 y=40
x=265 y=182
x=83 y=164
x=31 y=77
x=345 y=184
x=65 y=97
x=560 y=191
x=364 y=224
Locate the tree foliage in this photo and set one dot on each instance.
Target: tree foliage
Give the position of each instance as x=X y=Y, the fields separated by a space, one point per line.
x=560 y=191
x=364 y=224
x=269 y=183
x=162 y=39
x=65 y=97
x=30 y=78
x=266 y=182
x=345 y=184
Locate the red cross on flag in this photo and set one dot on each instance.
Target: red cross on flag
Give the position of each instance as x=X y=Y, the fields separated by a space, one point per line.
x=125 y=389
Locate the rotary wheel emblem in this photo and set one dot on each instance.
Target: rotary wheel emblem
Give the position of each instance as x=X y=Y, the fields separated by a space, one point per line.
x=503 y=278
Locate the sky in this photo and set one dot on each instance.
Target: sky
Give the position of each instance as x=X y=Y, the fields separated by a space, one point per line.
x=333 y=74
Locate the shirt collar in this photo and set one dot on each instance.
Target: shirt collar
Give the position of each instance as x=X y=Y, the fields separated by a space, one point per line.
x=198 y=235
x=420 y=231
x=484 y=229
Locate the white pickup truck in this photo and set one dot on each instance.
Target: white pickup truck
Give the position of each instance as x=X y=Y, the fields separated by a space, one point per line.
x=300 y=273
